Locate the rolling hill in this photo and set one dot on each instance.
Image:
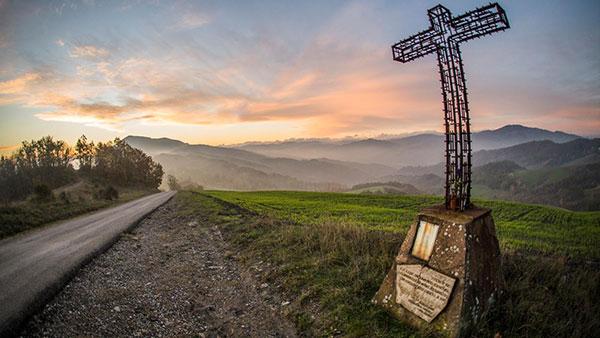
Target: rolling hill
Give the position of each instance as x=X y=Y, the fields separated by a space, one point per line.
x=574 y=187
x=229 y=168
x=560 y=174
x=570 y=187
x=519 y=172
x=514 y=134
x=543 y=154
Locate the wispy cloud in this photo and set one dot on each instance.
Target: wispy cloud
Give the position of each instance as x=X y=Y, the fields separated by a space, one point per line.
x=191 y=20
x=335 y=79
x=88 y=52
x=20 y=84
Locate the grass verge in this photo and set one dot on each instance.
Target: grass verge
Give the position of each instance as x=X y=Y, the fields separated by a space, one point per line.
x=31 y=214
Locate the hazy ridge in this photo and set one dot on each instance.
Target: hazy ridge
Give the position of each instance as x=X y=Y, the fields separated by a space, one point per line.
x=512 y=162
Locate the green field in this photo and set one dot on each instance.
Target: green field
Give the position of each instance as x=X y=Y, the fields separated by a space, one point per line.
x=328 y=253
x=520 y=227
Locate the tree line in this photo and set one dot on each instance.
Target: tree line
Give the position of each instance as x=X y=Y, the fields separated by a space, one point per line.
x=48 y=163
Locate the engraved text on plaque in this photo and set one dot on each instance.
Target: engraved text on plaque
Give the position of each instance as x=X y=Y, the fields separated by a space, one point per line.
x=422 y=291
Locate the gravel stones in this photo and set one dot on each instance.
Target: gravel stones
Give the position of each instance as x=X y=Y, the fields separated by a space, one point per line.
x=171 y=276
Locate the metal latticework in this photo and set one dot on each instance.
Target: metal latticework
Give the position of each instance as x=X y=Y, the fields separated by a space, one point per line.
x=444 y=37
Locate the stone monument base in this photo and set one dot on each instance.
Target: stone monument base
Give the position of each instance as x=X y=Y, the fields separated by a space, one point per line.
x=447 y=272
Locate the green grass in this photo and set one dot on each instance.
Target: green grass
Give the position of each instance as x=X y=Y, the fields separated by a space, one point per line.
x=27 y=215
x=328 y=272
x=328 y=257
x=522 y=227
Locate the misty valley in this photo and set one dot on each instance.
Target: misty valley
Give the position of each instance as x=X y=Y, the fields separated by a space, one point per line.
x=514 y=162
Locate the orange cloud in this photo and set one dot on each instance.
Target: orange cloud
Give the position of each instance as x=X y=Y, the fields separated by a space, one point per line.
x=19 y=84
x=8 y=150
x=5 y=149
x=327 y=88
x=327 y=100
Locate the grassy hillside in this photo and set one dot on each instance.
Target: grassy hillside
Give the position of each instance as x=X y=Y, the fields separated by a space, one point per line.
x=520 y=226
x=571 y=187
x=574 y=186
x=541 y=154
x=327 y=254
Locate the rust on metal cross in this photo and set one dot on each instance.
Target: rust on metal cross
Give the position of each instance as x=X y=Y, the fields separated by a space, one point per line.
x=444 y=37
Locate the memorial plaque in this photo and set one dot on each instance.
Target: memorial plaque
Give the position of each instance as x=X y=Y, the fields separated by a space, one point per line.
x=423 y=245
x=422 y=291
x=451 y=286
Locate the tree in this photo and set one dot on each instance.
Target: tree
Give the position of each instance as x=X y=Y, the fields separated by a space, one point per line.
x=84 y=152
x=45 y=161
x=13 y=183
x=119 y=163
x=172 y=183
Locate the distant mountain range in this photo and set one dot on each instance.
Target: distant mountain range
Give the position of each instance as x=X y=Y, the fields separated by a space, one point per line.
x=228 y=168
x=416 y=150
x=414 y=162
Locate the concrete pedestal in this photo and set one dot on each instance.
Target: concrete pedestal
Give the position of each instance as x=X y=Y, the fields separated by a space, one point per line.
x=447 y=272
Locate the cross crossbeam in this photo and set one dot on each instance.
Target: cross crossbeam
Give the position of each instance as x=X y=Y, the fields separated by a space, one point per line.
x=444 y=37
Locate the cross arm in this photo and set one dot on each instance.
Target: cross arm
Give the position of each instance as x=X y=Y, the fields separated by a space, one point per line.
x=415 y=46
x=479 y=22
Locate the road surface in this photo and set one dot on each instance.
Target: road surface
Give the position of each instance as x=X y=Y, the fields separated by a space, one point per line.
x=34 y=266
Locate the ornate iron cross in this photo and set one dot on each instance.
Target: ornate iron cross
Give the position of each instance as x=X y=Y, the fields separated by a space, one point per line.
x=444 y=37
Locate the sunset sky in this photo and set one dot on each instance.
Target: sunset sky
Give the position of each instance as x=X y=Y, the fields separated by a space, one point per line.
x=227 y=72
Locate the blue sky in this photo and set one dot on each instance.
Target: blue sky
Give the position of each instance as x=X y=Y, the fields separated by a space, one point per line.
x=226 y=72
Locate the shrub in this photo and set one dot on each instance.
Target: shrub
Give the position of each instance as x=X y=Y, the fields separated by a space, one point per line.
x=109 y=193
x=64 y=196
x=42 y=192
x=173 y=183
x=191 y=185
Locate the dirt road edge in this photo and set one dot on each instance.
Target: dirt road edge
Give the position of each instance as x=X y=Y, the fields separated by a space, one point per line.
x=12 y=327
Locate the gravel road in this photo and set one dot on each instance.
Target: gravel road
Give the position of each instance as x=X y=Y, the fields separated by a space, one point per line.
x=36 y=264
x=173 y=275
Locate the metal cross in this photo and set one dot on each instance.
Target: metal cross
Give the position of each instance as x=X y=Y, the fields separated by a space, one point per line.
x=444 y=37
